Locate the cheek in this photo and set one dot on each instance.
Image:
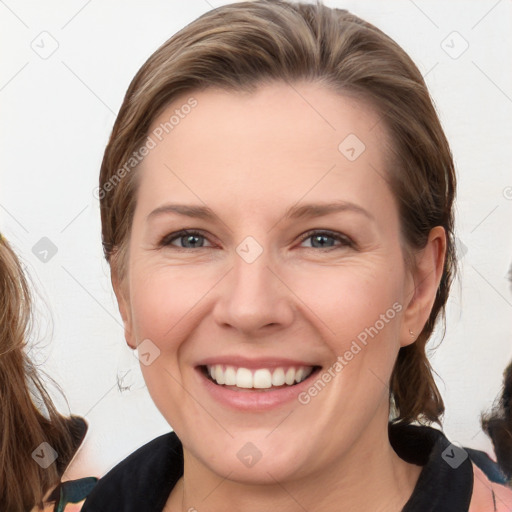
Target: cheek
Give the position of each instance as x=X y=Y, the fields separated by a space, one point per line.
x=359 y=314
x=163 y=301
x=360 y=302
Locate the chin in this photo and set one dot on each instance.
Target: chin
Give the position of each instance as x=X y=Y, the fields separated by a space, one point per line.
x=259 y=462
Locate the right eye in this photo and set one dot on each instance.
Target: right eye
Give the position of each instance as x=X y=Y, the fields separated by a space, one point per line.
x=188 y=237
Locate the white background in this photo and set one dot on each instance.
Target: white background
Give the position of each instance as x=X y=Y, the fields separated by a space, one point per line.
x=57 y=114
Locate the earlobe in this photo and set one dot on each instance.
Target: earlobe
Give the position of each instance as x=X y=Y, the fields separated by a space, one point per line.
x=121 y=294
x=426 y=276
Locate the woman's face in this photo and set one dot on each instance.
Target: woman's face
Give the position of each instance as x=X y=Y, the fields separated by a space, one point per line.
x=296 y=269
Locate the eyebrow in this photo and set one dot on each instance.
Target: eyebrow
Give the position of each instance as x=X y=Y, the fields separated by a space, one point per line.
x=294 y=212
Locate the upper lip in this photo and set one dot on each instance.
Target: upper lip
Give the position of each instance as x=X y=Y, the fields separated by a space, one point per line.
x=254 y=363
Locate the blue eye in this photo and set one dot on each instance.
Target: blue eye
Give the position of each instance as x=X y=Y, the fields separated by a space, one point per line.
x=188 y=237
x=191 y=239
x=322 y=239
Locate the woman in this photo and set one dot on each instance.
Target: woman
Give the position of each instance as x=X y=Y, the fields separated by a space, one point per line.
x=36 y=442
x=277 y=211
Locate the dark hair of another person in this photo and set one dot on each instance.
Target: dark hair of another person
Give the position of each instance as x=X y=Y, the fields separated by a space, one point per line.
x=498 y=425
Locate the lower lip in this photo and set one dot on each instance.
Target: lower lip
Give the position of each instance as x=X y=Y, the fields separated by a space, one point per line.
x=255 y=400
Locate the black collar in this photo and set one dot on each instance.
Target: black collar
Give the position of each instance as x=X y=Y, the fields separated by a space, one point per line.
x=446 y=480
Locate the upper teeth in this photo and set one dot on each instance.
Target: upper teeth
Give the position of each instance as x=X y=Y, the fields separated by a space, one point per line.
x=261 y=378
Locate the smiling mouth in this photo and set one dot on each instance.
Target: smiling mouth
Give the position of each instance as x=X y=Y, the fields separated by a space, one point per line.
x=240 y=378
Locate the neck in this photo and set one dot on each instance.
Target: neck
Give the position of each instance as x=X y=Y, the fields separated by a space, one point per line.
x=370 y=476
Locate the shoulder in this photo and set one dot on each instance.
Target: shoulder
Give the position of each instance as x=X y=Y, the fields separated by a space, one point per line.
x=142 y=480
x=489 y=496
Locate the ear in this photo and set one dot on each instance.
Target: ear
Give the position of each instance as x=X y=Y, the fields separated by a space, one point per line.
x=423 y=285
x=122 y=295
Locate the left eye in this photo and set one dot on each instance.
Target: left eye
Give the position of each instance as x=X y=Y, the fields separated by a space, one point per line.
x=319 y=239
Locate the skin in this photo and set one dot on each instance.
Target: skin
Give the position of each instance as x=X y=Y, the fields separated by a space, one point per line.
x=249 y=157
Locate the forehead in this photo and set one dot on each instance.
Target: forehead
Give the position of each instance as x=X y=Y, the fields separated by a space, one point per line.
x=274 y=144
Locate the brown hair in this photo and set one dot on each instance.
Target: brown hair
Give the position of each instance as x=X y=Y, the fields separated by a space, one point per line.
x=239 y=46
x=23 y=427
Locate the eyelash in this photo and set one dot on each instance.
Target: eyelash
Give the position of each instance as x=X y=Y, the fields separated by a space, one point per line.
x=344 y=239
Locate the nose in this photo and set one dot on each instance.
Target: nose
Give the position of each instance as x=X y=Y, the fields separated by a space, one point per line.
x=253 y=298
